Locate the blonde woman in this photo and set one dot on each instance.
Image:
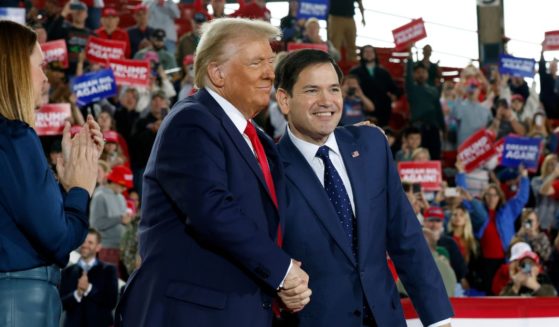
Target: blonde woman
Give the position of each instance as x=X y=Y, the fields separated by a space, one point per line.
x=40 y=225
x=543 y=187
x=461 y=230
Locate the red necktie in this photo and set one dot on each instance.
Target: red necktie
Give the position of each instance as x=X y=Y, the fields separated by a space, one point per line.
x=250 y=131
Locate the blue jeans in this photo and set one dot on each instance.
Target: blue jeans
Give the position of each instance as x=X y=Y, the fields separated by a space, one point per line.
x=171 y=46
x=30 y=298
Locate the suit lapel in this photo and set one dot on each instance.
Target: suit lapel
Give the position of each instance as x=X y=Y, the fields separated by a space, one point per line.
x=303 y=177
x=354 y=160
x=204 y=97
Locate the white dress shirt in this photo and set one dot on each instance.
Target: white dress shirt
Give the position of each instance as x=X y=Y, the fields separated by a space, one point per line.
x=86 y=266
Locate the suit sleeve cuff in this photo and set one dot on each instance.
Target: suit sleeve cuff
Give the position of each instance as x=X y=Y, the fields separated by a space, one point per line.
x=77 y=198
x=440 y=323
x=77 y=297
x=89 y=287
x=286 y=273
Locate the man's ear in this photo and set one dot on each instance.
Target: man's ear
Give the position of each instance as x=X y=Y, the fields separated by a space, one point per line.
x=282 y=98
x=215 y=74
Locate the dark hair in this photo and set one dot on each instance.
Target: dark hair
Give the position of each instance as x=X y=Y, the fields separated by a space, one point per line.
x=352 y=76
x=502 y=103
x=289 y=68
x=96 y=233
x=411 y=130
x=362 y=50
x=419 y=65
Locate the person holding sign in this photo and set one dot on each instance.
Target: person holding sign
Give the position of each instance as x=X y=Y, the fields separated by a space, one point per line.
x=41 y=222
x=496 y=217
x=347 y=208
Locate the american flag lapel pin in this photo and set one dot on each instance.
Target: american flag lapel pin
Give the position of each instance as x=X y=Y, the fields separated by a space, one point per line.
x=355 y=154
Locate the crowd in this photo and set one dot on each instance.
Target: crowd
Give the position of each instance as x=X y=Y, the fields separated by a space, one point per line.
x=492 y=231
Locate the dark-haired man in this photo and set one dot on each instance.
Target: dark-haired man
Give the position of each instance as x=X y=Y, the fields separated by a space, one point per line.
x=347 y=209
x=89 y=288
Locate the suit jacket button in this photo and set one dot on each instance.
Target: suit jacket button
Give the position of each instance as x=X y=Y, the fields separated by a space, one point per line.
x=357 y=313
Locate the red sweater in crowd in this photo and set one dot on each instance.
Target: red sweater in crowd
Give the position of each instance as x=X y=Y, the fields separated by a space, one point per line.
x=119 y=35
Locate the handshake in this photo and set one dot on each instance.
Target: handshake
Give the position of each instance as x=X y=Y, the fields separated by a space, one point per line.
x=295 y=292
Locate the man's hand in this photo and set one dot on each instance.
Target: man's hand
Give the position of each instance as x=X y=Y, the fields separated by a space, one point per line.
x=83 y=283
x=295 y=293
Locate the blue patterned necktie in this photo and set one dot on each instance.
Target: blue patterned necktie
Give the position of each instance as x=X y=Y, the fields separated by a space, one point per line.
x=338 y=196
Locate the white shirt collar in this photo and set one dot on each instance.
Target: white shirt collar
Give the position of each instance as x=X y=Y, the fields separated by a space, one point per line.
x=89 y=264
x=233 y=113
x=308 y=150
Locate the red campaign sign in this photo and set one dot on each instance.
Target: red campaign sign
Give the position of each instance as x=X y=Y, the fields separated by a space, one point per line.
x=409 y=33
x=55 y=51
x=49 y=120
x=477 y=149
x=131 y=72
x=499 y=145
x=292 y=46
x=427 y=173
x=551 y=41
x=100 y=50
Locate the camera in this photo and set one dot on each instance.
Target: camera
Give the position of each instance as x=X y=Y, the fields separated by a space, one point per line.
x=528 y=224
x=351 y=91
x=526 y=267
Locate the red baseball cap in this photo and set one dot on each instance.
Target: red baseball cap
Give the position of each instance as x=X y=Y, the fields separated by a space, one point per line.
x=110 y=136
x=139 y=7
x=434 y=213
x=518 y=97
x=121 y=175
x=109 y=12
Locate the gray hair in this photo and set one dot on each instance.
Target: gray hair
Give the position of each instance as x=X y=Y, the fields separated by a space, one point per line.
x=219 y=33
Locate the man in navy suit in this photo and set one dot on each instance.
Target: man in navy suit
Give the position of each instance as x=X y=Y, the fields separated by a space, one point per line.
x=347 y=209
x=214 y=198
x=89 y=289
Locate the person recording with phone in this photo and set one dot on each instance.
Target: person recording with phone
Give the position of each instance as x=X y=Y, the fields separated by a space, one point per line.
x=531 y=233
x=527 y=275
x=357 y=105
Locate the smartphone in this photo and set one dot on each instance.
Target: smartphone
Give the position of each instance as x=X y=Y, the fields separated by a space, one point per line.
x=416 y=188
x=539 y=120
x=451 y=192
x=526 y=267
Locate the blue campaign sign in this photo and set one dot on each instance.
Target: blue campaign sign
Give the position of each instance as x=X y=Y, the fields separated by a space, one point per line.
x=313 y=8
x=14 y=14
x=515 y=66
x=521 y=150
x=94 y=86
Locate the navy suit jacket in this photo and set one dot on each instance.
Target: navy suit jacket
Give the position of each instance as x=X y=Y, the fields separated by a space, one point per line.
x=385 y=223
x=95 y=309
x=208 y=228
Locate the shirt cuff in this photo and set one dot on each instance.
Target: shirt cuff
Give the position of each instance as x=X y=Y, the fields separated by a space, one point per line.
x=287 y=273
x=440 y=323
x=77 y=296
x=89 y=287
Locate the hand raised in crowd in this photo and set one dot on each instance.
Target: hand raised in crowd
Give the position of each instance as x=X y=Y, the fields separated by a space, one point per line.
x=521 y=278
x=83 y=283
x=79 y=168
x=295 y=293
x=522 y=170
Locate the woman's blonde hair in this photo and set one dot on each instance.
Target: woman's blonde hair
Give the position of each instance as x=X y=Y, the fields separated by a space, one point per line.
x=16 y=87
x=548 y=165
x=219 y=33
x=467 y=234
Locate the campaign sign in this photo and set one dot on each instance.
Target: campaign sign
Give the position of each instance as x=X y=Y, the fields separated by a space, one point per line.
x=49 y=119
x=427 y=173
x=521 y=150
x=131 y=72
x=515 y=66
x=409 y=33
x=292 y=46
x=477 y=149
x=551 y=41
x=313 y=8
x=14 y=14
x=94 y=86
x=100 y=50
x=55 y=51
